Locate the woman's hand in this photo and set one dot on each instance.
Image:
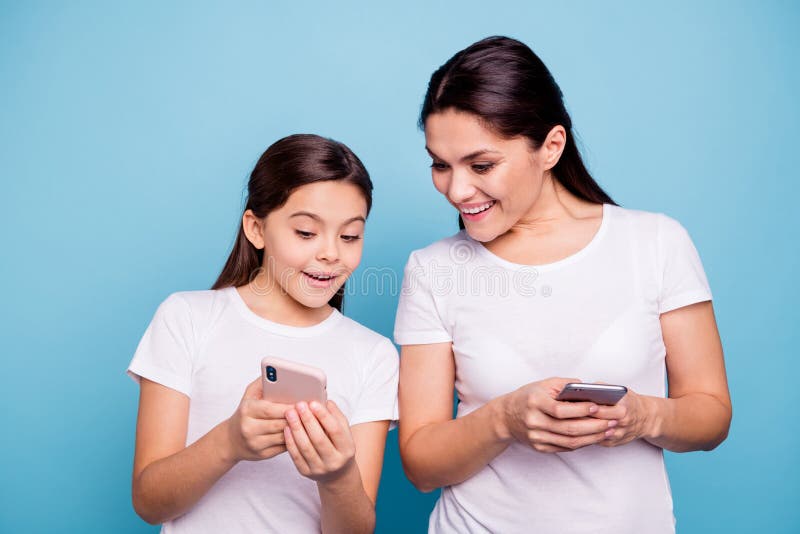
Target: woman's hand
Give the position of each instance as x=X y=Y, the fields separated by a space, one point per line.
x=319 y=441
x=255 y=430
x=533 y=416
x=633 y=420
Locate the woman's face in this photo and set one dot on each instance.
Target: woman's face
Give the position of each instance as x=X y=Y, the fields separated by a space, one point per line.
x=312 y=243
x=492 y=181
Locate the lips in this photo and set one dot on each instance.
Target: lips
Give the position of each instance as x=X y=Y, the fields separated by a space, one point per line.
x=319 y=280
x=477 y=211
x=474 y=209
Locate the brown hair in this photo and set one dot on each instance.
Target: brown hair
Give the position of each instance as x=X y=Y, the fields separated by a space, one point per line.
x=509 y=88
x=289 y=163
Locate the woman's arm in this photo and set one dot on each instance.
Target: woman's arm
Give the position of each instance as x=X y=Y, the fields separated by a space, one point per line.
x=168 y=477
x=697 y=414
x=345 y=462
x=438 y=450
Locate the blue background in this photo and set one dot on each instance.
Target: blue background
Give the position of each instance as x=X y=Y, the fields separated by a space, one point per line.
x=127 y=133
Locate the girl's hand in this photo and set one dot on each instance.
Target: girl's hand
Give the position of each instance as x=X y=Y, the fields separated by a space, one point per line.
x=633 y=420
x=255 y=430
x=319 y=441
x=533 y=416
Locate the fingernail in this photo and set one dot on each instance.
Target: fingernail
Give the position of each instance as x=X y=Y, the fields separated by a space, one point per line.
x=291 y=416
x=612 y=424
x=302 y=407
x=609 y=433
x=592 y=409
x=315 y=406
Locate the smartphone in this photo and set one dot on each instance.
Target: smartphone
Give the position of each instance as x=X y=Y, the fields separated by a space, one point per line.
x=288 y=382
x=606 y=394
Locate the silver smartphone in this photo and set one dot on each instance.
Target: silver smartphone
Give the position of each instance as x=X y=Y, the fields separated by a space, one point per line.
x=606 y=394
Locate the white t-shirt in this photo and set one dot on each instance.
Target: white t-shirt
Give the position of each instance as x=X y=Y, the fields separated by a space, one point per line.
x=208 y=345
x=593 y=316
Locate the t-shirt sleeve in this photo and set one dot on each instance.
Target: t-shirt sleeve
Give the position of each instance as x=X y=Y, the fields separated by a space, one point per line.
x=378 y=399
x=683 y=280
x=418 y=320
x=164 y=354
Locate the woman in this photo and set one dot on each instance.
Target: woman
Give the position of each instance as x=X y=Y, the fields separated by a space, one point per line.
x=209 y=448
x=549 y=282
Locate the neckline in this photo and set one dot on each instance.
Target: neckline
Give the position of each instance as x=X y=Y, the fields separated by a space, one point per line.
x=572 y=258
x=279 y=328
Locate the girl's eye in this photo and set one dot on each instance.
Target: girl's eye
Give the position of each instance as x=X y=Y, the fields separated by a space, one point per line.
x=304 y=235
x=482 y=168
x=438 y=166
x=350 y=238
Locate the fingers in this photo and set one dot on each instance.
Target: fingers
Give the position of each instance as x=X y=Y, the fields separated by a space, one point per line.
x=253 y=390
x=298 y=419
x=543 y=441
x=263 y=409
x=294 y=452
x=568 y=410
x=617 y=412
x=334 y=423
x=259 y=444
x=262 y=427
x=580 y=427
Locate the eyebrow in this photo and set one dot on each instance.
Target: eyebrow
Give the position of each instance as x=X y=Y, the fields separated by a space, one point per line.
x=319 y=219
x=471 y=155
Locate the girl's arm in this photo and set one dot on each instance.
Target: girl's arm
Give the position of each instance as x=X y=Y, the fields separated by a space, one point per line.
x=697 y=414
x=345 y=462
x=168 y=477
x=438 y=450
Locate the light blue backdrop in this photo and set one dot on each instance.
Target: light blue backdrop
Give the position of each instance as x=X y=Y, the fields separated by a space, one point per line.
x=127 y=134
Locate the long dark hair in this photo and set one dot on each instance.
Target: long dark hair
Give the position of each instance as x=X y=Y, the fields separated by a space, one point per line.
x=503 y=82
x=287 y=164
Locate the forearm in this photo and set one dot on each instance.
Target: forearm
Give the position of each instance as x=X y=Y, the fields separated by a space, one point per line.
x=346 y=508
x=446 y=453
x=696 y=421
x=170 y=486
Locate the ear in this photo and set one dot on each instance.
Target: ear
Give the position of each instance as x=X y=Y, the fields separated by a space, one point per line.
x=553 y=146
x=253 y=229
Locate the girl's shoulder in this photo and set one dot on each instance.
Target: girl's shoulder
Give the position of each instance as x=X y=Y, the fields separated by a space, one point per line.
x=196 y=310
x=364 y=337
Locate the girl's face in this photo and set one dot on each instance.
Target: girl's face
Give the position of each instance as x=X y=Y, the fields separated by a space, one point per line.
x=313 y=242
x=492 y=181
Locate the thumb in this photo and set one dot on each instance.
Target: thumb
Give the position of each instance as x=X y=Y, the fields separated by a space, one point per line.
x=253 y=390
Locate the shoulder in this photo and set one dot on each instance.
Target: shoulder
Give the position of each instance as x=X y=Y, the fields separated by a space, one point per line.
x=365 y=338
x=196 y=309
x=647 y=223
x=450 y=249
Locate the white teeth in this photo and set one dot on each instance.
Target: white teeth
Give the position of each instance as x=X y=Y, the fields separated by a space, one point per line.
x=478 y=209
x=319 y=276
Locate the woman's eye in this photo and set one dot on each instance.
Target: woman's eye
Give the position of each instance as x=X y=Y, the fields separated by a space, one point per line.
x=304 y=235
x=438 y=166
x=481 y=168
x=349 y=238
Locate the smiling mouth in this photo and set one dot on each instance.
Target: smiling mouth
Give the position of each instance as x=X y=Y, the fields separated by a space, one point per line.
x=478 y=209
x=321 y=277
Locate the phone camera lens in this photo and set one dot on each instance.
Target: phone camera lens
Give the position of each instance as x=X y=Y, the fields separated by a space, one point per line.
x=272 y=374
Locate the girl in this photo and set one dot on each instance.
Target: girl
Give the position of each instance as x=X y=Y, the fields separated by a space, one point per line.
x=211 y=453
x=550 y=282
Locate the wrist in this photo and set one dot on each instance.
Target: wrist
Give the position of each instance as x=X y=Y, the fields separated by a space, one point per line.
x=223 y=444
x=344 y=481
x=654 y=408
x=498 y=414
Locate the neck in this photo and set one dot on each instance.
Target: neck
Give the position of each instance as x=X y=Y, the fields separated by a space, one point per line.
x=553 y=206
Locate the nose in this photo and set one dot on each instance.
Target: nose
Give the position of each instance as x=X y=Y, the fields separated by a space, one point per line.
x=329 y=249
x=461 y=188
